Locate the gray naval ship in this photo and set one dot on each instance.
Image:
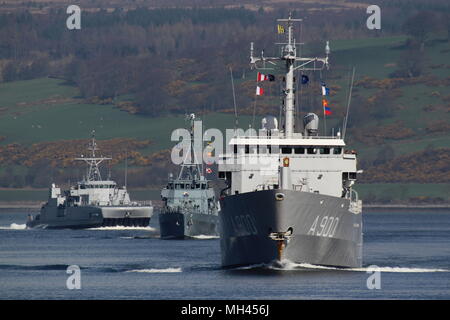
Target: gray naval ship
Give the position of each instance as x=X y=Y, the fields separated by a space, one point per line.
x=289 y=194
x=190 y=208
x=92 y=202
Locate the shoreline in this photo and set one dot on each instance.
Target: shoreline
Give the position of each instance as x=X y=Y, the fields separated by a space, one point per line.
x=20 y=205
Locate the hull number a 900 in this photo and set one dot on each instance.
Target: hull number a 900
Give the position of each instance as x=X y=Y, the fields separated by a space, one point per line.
x=326 y=228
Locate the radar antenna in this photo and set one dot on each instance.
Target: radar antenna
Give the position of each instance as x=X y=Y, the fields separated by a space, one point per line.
x=293 y=62
x=193 y=169
x=93 y=171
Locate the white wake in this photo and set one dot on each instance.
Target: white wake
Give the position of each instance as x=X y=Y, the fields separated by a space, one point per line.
x=205 y=237
x=14 y=226
x=166 y=270
x=119 y=228
x=286 y=265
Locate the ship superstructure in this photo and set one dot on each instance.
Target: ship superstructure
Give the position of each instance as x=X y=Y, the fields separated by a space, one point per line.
x=110 y=204
x=189 y=203
x=289 y=192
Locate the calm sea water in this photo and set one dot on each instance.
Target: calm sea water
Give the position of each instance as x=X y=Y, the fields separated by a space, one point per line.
x=412 y=249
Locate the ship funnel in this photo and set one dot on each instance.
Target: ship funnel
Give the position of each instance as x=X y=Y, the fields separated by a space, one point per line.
x=311 y=124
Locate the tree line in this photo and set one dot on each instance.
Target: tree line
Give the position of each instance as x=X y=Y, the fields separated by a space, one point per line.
x=166 y=60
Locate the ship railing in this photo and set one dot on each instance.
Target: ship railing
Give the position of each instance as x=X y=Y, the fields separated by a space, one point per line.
x=183 y=209
x=295 y=136
x=261 y=187
x=354 y=197
x=355 y=203
x=142 y=203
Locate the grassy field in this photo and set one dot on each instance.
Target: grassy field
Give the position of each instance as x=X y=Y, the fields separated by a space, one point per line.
x=47 y=109
x=377 y=58
x=17 y=195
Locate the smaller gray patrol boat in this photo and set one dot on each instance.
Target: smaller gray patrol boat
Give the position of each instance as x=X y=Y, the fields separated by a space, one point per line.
x=93 y=202
x=190 y=208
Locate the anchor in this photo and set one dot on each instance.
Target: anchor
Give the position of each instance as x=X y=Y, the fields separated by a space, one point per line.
x=281 y=238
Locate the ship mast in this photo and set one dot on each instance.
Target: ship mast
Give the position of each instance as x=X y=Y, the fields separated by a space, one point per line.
x=191 y=170
x=292 y=64
x=93 y=171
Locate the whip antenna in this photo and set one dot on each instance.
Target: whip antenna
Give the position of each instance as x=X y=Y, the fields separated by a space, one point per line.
x=348 y=104
x=234 y=101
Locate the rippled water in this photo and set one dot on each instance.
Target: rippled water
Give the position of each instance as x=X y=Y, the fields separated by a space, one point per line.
x=410 y=248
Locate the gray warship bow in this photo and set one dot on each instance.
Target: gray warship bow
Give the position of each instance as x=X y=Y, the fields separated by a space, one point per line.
x=289 y=194
x=190 y=206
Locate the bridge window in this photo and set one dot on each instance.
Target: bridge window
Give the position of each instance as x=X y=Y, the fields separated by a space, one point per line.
x=337 y=150
x=262 y=149
x=286 y=150
x=299 y=150
x=324 y=150
x=311 y=150
x=349 y=175
x=235 y=149
x=247 y=148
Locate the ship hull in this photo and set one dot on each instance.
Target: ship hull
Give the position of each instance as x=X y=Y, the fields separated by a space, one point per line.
x=82 y=217
x=325 y=231
x=177 y=225
x=67 y=218
x=129 y=216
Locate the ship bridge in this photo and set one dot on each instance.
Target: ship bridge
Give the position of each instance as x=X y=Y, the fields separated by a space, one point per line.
x=105 y=184
x=317 y=164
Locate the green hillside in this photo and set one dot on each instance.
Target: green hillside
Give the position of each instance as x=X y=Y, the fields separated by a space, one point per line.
x=46 y=109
